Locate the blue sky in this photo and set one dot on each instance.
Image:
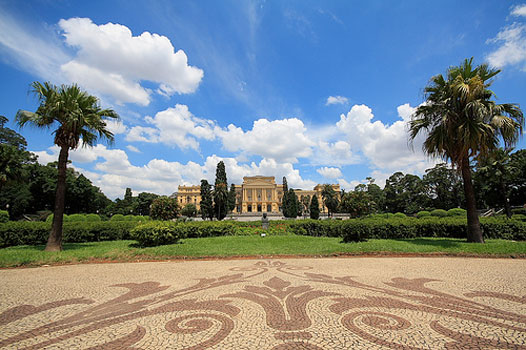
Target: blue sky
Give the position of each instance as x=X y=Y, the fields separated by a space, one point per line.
x=317 y=91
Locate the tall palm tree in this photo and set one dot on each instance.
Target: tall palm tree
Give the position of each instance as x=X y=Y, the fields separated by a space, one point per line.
x=462 y=122
x=77 y=115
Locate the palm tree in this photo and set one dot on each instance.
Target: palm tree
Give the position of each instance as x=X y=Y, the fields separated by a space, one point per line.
x=77 y=115
x=462 y=122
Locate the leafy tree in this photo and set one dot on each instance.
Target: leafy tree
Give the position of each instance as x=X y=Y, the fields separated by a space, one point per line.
x=220 y=192
x=14 y=159
x=494 y=177
x=232 y=198
x=189 y=210
x=404 y=193
x=314 y=208
x=207 y=203
x=518 y=185
x=78 y=115
x=330 y=199
x=144 y=202
x=461 y=122
x=164 y=208
x=443 y=187
x=376 y=194
x=357 y=203
x=126 y=206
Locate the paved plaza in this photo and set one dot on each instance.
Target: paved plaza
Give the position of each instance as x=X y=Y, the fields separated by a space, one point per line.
x=278 y=304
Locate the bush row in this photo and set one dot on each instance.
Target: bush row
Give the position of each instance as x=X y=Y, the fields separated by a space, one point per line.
x=357 y=230
x=97 y=218
x=31 y=233
x=158 y=232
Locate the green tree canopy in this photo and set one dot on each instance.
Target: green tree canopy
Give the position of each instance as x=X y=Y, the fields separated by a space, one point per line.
x=460 y=122
x=76 y=115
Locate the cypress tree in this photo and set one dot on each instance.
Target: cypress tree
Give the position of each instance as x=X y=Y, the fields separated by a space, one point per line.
x=284 y=200
x=314 y=208
x=220 y=192
x=232 y=198
x=207 y=204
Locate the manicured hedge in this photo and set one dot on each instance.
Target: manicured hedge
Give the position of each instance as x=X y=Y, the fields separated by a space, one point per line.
x=156 y=233
x=356 y=230
x=31 y=233
x=4 y=216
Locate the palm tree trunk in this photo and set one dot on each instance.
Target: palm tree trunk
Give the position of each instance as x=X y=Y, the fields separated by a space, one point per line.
x=54 y=242
x=474 y=231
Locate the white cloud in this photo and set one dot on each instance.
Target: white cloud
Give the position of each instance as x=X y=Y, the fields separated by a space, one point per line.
x=133 y=149
x=512 y=49
x=33 y=48
x=336 y=153
x=116 y=126
x=386 y=146
x=519 y=10
x=283 y=140
x=174 y=126
x=329 y=173
x=113 y=62
x=331 y=100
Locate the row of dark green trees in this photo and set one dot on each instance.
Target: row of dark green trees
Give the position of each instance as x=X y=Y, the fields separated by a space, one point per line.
x=459 y=119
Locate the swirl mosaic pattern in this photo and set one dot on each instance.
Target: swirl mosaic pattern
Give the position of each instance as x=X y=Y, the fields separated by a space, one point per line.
x=273 y=305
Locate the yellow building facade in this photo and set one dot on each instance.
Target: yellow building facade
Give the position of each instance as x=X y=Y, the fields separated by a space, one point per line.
x=257 y=194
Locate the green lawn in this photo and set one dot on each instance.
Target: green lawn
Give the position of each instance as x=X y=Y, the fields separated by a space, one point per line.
x=251 y=246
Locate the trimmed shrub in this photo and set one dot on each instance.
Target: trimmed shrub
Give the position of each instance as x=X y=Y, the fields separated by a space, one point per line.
x=441 y=213
x=399 y=215
x=93 y=218
x=118 y=217
x=4 y=216
x=521 y=211
x=31 y=233
x=156 y=233
x=76 y=217
x=423 y=214
x=456 y=212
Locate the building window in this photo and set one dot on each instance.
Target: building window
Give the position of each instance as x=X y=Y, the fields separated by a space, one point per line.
x=249 y=208
x=269 y=207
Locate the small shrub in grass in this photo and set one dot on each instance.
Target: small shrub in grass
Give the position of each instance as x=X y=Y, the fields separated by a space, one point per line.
x=456 y=212
x=156 y=233
x=399 y=215
x=93 y=218
x=423 y=214
x=66 y=218
x=440 y=213
x=118 y=217
x=4 y=216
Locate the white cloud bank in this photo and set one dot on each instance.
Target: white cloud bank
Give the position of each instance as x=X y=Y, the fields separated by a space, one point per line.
x=113 y=171
x=113 y=62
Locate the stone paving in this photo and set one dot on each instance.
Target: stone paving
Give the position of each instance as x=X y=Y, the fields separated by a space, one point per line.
x=278 y=304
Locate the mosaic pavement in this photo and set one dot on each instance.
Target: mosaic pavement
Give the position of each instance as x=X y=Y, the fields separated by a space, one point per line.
x=354 y=303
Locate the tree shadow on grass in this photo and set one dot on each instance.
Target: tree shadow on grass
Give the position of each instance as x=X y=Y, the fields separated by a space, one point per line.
x=441 y=243
x=65 y=246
